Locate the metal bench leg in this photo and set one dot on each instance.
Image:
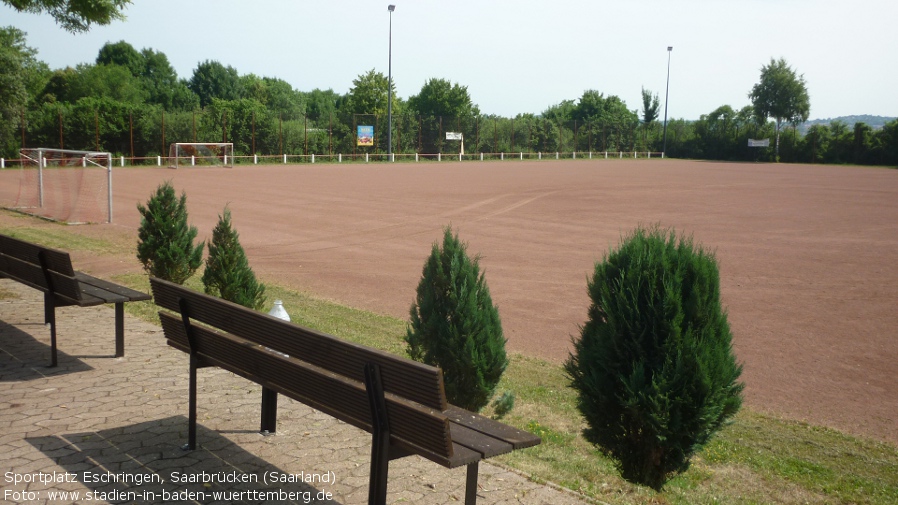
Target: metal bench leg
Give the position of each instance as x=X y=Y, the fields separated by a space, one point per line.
x=49 y=306
x=119 y=329
x=471 y=484
x=380 y=437
x=191 y=416
x=191 y=400
x=50 y=318
x=269 y=411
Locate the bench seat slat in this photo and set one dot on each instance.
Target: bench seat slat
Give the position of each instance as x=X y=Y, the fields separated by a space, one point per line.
x=102 y=295
x=124 y=293
x=486 y=445
x=406 y=378
x=461 y=456
x=518 y=439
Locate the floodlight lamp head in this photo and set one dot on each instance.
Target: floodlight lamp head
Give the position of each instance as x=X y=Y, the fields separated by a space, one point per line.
x=669 y=48
x=391 y=8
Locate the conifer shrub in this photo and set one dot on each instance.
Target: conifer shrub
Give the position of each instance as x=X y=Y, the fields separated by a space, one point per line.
x=654 y=367
x=165 y=241
x=503 y=405
x=454 y=325
x=228 y=274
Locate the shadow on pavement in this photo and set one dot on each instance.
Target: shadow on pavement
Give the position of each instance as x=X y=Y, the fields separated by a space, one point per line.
x=144 y=463
x=24 y=357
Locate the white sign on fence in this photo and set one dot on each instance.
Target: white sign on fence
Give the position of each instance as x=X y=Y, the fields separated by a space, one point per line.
x=457 y=136
x=759 y=143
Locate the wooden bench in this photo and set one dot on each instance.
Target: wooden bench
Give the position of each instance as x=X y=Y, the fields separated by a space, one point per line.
x=401 y=402
x=50 y=271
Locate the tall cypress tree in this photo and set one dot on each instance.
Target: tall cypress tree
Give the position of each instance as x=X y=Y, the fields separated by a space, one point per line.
x=454 y=325
x=165 y=240
x=227 y=273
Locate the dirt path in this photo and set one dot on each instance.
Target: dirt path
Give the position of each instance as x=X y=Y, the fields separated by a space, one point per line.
x=806 y=253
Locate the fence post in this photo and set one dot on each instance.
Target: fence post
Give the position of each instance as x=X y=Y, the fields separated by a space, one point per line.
x=502 y=156
x=193 y=160
x=556 y=155
x=159 y=161
x=339 y=157
x=123 y=161
x=606 y=155
x=313 y=157
x=285 y=159
x=481 y=155
x=522 y=155
x=255 y=159
x=439 y=156
x=2 y=163
x=366 y=157
x=574 y=155
x=540 y=155
x=416 y=157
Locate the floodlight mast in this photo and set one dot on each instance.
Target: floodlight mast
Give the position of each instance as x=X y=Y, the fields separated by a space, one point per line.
x=666 y=91
x=390 y=8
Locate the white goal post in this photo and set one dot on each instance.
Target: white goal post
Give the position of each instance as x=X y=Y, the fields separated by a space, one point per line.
x=191 y=154
x=67 y=185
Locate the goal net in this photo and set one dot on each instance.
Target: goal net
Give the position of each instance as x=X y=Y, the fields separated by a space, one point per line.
x=74 y=187
x=191 y=154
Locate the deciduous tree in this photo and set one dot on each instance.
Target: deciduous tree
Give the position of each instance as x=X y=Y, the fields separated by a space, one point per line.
x=21 y=74
x=439 y=97
x=74 y=15
x=369 y=94
x=782 y=95
x=650 y=107
x=211 y=80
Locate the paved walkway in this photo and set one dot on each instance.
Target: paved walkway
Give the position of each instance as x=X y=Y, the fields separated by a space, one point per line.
x=109 y=429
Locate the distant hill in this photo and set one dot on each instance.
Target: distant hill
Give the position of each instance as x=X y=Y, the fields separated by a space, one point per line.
x=875 y=122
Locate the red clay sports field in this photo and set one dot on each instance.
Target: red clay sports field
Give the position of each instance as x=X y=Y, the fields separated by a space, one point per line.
x=807 y=253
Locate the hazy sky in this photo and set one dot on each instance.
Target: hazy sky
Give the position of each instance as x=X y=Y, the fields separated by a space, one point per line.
x=521 y=56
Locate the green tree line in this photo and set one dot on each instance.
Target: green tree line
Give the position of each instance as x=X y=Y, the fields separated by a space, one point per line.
x=132 y=103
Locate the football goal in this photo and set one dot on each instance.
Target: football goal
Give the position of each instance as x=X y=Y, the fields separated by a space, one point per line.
x=191 y=154
x=65 y=185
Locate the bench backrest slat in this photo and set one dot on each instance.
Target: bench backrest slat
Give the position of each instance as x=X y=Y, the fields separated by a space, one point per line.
x=58 y=261
x=406 y=378
x=413 y=426
x=22 y=261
